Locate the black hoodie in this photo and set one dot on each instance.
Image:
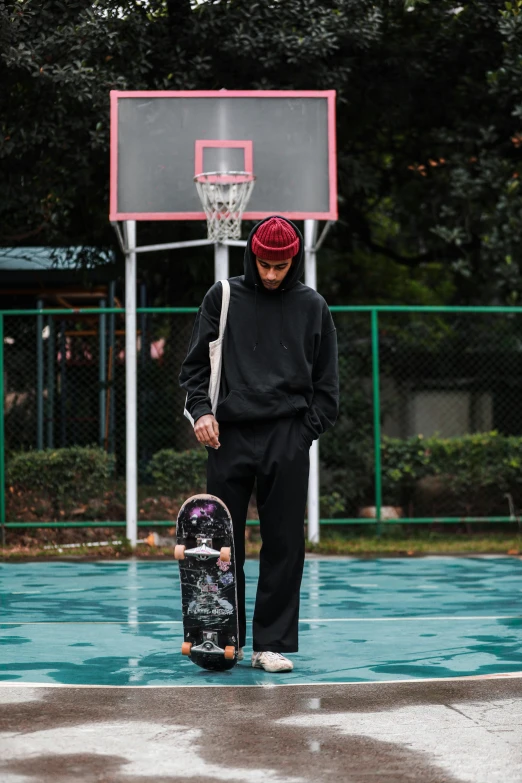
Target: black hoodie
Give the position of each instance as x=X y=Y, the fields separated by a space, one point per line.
x=279 y=351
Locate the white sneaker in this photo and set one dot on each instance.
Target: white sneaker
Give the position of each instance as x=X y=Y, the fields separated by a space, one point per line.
x=240 y=654
x=271 y=662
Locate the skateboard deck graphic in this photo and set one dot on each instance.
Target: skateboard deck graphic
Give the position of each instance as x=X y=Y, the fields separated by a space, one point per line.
x=207 y=570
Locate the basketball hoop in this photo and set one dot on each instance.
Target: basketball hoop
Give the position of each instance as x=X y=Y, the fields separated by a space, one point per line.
x=224 y=196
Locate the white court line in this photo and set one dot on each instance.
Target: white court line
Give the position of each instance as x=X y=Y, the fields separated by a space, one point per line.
x=399 y=619
x=302 y=620
x=271 y=685
x=96 y=622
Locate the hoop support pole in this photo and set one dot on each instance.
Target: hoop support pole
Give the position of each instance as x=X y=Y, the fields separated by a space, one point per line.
x=324 y=233
x=313 y=480
x=174 y=245
x=153 y=248
x=235 y=242
x=131 y=418
x=221 y=265
x=119 y=236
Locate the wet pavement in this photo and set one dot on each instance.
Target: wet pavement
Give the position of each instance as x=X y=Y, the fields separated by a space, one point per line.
x=436 y=732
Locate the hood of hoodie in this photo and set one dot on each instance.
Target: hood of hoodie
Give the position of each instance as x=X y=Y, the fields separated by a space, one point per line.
x=253 y=280
x=250 y=267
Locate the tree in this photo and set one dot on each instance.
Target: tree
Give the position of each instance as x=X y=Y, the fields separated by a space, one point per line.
x=430 y=154
x=429 y=125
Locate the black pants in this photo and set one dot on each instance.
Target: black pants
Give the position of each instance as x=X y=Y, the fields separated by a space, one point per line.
x=276 y=453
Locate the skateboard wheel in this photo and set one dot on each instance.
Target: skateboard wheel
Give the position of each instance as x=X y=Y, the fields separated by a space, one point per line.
x=224 y=554
x=230 y=652
x=186 y=648
x=179 y=551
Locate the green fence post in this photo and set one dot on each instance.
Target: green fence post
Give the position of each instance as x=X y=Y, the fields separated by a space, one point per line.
x=2 y=440
x=39 y=377
x=376 y=419
x=102 y=372
x=51 y=373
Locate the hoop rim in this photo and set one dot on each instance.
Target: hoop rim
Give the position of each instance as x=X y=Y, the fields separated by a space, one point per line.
x=224 y=177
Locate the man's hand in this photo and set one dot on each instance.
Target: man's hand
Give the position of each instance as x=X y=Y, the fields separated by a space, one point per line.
x=206 y=430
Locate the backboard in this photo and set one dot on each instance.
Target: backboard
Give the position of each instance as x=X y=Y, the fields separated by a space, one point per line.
x=161 y=140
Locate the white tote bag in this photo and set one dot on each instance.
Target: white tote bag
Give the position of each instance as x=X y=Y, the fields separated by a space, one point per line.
x=215 y=349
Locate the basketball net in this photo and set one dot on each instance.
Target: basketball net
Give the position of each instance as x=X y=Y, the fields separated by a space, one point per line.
x=224 y=196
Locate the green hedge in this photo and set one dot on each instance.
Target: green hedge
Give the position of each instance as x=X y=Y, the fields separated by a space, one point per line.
x=68 y=475
x=470 y=475
x=75 y=475
x=472 y=467
x=178 y=472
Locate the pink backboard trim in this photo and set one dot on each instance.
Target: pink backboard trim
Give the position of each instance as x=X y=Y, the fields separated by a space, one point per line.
x=332 y=155
x=202 y=216
x=114 y=158
x=246 y=145
x=222 y=93
x=329 y=95
x=239 y=177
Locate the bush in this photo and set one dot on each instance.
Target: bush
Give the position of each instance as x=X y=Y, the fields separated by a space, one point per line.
x=179 y=472
x=478 y=469
x=70 y=475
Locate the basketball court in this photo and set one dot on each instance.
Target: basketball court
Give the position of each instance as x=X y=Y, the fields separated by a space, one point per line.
x=407 y=668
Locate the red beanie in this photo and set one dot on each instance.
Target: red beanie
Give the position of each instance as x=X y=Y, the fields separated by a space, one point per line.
x=275 y=240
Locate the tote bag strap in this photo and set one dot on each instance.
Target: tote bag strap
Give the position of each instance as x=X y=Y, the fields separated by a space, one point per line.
x=224 y=306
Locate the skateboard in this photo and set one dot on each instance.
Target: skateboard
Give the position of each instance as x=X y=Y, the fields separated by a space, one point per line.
x=205 y=552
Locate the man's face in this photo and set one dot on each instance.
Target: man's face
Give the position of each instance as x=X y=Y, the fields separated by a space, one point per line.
x=272 y=273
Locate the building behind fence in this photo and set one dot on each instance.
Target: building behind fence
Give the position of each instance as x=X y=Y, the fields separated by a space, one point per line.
x=414 y=375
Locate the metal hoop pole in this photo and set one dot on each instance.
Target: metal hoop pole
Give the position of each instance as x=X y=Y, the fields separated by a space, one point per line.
x=102 y=371
x=39 y=378
x=129 y=228
x=221 y=265
x=313 y=481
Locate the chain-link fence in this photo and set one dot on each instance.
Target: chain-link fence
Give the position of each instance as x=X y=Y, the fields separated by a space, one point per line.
x=429 y=427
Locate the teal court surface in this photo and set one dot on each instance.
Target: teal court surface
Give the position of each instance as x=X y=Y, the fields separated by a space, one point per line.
x=119 y=623
x=409 y=669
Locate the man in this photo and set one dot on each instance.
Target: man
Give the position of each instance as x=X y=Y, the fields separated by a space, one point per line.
x=279 y=391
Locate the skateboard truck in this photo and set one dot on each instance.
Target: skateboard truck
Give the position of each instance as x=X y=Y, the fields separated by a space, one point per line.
x=203 y=551
x=209 y=644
